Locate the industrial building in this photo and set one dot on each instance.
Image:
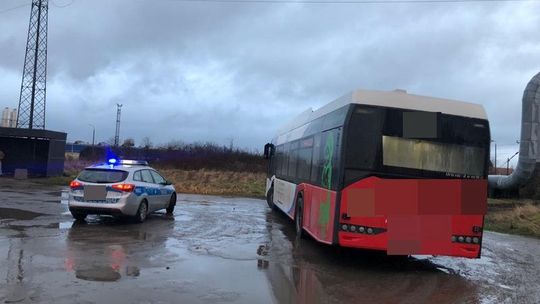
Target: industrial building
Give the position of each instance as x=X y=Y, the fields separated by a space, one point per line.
x=9 y=118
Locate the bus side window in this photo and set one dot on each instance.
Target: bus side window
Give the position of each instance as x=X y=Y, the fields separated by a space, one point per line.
x=285 y=159
x=293 y=160
x=279 y=160
x=316 y=167
x=304 y=159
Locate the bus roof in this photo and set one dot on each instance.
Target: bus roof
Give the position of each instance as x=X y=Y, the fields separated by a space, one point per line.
x=391 y=99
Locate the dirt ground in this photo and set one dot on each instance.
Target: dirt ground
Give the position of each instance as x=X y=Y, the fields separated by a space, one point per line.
x=230 y=250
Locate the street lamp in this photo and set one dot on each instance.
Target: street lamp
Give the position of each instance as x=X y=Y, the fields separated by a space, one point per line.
x=508 y=163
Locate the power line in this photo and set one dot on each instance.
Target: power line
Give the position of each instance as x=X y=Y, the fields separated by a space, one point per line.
x=304 y=2
x=350 y=1
x=63 y=5
x=28 y=4
x=14 y=8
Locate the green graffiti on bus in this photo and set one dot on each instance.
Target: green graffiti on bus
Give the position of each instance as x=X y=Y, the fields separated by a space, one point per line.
x=324 y=208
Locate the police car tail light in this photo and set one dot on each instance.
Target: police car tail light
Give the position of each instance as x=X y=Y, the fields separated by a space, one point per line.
x=124 y=187
x=74 y=185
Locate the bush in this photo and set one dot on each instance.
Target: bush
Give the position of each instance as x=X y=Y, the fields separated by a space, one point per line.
x=183 y=156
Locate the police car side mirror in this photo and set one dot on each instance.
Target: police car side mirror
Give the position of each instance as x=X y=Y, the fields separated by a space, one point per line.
x=166 y=183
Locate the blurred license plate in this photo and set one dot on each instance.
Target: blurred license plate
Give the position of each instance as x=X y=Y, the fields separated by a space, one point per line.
x=95 y=194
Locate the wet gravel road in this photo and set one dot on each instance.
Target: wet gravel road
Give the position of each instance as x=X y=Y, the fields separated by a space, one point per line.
x=231 y=250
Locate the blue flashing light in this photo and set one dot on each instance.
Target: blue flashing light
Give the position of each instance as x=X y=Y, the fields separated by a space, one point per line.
x=112 y=161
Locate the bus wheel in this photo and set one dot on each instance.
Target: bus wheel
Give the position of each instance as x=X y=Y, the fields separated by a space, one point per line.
x=299 y=217
x=270 y=198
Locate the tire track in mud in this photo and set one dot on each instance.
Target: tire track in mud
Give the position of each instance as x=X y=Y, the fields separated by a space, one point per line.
x=221 y=227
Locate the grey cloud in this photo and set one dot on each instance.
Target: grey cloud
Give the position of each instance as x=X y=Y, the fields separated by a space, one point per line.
x=198 y=72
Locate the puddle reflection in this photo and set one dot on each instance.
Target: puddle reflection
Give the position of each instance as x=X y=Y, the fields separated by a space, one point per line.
x=105 y=249
x=303 y=271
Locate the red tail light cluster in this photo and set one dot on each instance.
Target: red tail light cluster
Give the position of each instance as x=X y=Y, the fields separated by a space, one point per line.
x=124 y=187
x=75 y=184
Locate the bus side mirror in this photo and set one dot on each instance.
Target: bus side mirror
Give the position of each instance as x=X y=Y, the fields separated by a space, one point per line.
x=268 y=150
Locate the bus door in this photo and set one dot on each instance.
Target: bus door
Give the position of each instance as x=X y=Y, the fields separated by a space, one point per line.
x=320 y=210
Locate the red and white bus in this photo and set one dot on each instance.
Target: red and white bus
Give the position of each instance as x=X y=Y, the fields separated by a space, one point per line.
x=389 y=171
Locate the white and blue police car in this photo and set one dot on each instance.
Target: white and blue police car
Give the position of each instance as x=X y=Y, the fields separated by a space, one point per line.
x=120 y=188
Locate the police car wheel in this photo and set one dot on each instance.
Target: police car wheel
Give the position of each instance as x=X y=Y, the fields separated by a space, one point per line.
x=142 y=212
x=172 y=203
x=78 y=216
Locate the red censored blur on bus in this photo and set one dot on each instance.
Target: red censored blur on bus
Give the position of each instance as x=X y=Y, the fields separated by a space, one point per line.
x=412 y=223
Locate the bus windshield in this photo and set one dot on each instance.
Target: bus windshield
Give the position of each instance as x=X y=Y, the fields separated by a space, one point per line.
x=433 y=156
x=380 y=141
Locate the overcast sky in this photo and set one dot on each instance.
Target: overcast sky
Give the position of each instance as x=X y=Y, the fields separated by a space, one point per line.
x=215 y=71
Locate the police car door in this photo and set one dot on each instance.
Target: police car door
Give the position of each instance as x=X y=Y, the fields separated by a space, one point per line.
x=152 y=190
x=164 y=195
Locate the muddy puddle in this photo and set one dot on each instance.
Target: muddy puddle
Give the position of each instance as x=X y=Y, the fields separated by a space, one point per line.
x=17 y=214
x=230 y=250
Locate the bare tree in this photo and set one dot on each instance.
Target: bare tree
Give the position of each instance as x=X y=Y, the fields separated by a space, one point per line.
x=129 y=143
x=146 y=143
x=110 y=141
x=174 y=144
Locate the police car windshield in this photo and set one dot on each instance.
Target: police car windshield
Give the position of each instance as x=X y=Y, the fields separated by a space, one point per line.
x=102 y=176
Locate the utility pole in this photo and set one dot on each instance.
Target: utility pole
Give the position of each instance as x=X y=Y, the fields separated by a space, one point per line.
x=93 y=134
x=31 y=112
x=117 y=134
x=93 y=140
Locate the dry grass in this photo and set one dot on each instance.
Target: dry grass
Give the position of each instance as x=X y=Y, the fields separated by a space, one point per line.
x=202 y=181
x=217 y=182
x=521 y=219
x=71 y=170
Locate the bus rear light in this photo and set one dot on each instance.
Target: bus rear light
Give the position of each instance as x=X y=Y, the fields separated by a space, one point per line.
x=465 y=239
x=361 y=229
x=75 y=184
x=124 y=187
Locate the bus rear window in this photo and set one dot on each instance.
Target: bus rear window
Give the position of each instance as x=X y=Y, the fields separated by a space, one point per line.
x=102 y=176
x=433 y=156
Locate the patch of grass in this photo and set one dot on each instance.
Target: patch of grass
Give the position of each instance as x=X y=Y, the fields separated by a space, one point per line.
x=214 y=182
x=522 y=219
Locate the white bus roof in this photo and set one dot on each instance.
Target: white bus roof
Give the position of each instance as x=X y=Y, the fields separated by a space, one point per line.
x=391 y=99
